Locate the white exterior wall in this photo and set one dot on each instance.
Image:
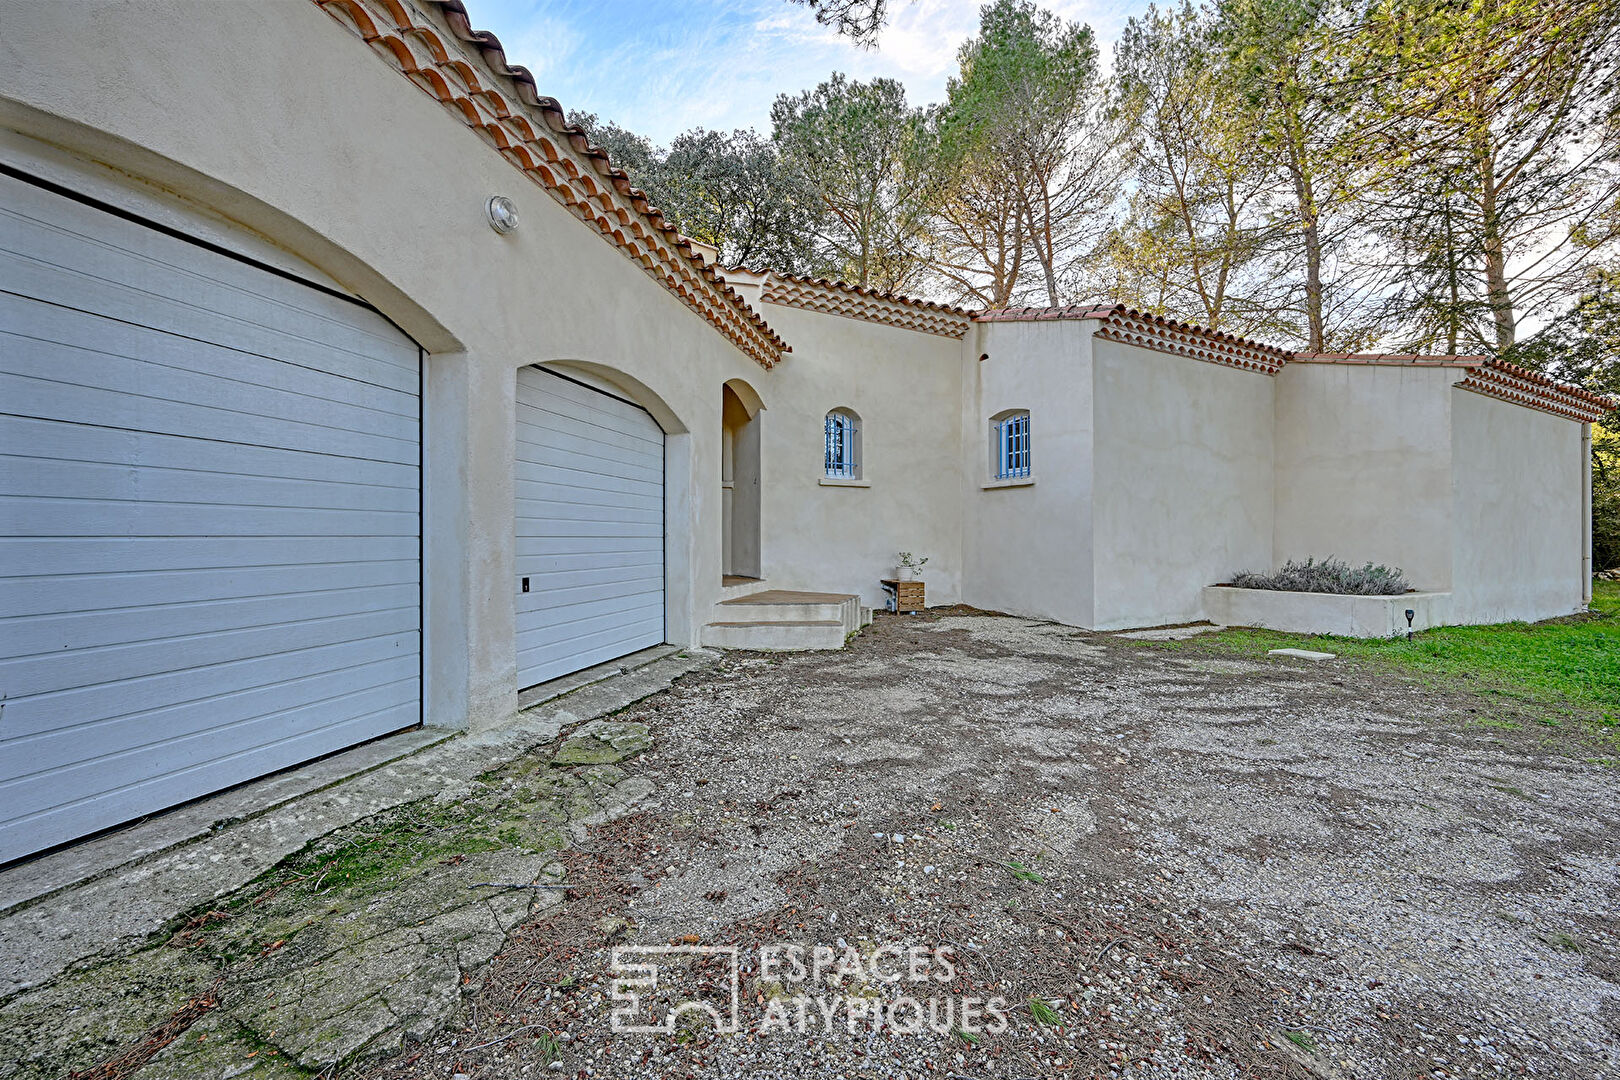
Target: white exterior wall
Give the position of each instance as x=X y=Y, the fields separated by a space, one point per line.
x=906 y=387
x=1027 y=546
x=1183 y=488
x=1364 y=466
x=1519 y=504
x=281 y=120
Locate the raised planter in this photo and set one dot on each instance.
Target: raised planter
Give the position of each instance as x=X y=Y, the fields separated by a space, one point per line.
x=1325 y=613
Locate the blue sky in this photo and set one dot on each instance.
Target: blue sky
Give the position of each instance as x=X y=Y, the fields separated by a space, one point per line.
x=659 y=68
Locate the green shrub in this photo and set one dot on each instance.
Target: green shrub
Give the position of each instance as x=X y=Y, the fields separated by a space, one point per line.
x=1328 y=576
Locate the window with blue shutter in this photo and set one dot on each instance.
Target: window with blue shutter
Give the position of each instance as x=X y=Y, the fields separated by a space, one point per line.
x=1012 y=446
x=841 y=457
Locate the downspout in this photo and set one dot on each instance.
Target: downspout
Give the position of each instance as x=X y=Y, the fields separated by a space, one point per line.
x=1586 y=515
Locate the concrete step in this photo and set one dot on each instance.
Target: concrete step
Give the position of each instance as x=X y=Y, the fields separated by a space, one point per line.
x=735 y=611
x=787 y=605
x=732 y=588
x=785 y=619
x=780 y=636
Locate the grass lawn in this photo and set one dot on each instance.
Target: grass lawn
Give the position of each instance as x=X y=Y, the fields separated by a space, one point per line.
x=1556 y=671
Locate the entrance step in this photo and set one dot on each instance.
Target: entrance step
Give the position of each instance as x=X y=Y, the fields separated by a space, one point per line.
x=783 y=636
x=783 y=619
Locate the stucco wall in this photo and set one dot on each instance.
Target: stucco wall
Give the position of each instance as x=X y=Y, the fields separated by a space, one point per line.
x=1364 y=455
x=1520 y=517
x=283 y=121
x=1027 y=548
x=906 y=388
x=1183 y=465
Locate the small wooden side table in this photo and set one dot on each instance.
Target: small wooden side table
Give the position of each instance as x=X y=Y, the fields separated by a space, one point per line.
x=904 y=595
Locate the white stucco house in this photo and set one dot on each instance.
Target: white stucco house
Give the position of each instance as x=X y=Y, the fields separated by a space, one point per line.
x=298 y=450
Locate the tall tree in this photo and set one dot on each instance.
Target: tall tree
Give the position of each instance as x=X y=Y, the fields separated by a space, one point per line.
x=866 y=155
x=1582 y=346
x=1284 y=57
x=1029 y=97
x=980 y=240
x=1517 y=104
x=1430 y=251
x=629 y=151
x=1196 y=242
x=734 y=192
x=731 y=191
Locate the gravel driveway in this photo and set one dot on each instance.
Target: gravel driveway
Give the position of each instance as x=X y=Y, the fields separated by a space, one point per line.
x=1123 y=859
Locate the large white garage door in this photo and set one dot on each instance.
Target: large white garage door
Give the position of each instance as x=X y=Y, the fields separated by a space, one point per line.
x=590 y=527
x=209 y=520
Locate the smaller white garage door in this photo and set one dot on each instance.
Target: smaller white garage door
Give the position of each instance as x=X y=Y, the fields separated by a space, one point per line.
x=590 y=527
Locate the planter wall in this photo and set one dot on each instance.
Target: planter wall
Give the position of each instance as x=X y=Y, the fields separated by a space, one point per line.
x=1325 y=613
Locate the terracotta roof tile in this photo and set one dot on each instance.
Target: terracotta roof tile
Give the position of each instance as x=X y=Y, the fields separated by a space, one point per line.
x=860 y=290
x=1522 y=386
x=1495 y=378
x=855 y=302
x=1387 y=358
x=1132 y=327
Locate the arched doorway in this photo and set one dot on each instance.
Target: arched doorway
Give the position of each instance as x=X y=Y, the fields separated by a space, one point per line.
x=740 y=410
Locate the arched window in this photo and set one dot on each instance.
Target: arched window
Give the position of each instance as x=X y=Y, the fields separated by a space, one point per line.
x=841 y=456
x=1009 y=445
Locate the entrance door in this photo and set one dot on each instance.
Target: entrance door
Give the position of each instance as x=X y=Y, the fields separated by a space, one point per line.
x=739 y=483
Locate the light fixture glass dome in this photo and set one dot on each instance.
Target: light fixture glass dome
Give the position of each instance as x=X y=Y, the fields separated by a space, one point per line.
x=503 y=215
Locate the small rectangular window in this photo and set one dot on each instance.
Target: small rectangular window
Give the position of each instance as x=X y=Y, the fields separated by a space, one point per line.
x=1012 y=452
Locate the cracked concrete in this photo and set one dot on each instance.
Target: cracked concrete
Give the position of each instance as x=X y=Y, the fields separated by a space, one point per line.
x=334 y=924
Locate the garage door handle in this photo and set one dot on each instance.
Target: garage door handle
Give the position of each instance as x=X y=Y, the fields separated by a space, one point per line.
x=525 y=584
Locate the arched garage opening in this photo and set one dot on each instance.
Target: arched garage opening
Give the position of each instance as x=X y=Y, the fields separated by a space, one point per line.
x=211 y=559
x=590 y=546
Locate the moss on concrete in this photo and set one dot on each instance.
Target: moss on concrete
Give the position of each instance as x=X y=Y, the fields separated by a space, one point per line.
x=603 y=742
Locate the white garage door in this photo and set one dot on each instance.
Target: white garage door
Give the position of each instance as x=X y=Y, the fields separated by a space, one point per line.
x=209 y=520
x=590 y=527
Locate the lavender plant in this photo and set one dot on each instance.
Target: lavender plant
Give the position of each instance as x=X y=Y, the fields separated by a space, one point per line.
x=1330 y=575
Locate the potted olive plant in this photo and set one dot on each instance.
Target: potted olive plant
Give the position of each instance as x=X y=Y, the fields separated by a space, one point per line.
x=909 y=567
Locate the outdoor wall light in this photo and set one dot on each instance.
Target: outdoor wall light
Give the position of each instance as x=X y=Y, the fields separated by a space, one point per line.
x=503 y=215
